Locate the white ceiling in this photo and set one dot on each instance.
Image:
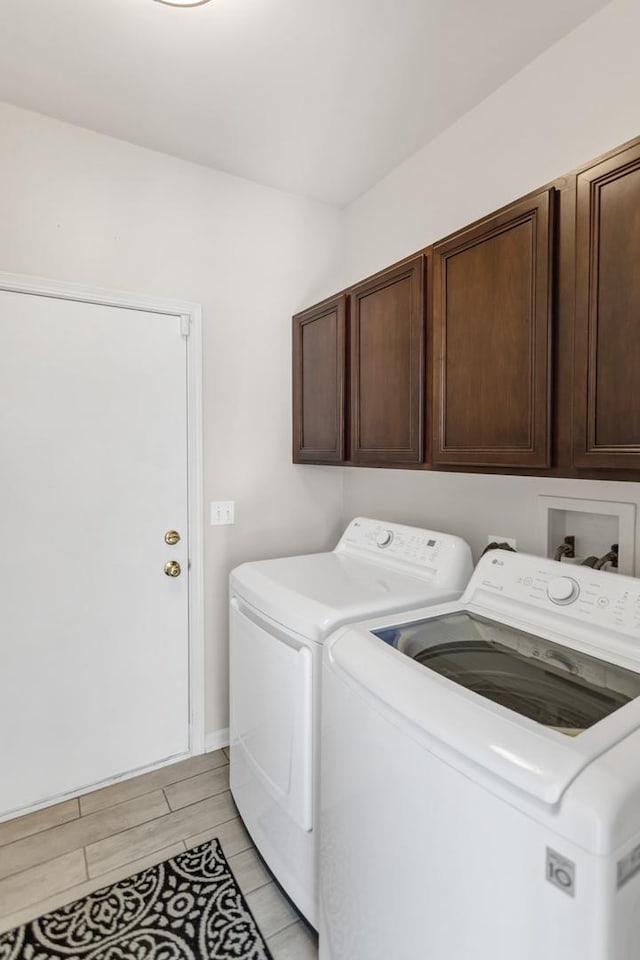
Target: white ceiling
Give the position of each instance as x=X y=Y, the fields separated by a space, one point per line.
x=317 y=97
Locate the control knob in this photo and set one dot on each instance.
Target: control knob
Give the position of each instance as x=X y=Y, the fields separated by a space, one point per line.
x=563 y=590
x=384 y=538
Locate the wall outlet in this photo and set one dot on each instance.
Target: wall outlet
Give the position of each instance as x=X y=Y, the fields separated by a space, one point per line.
x=499 y=538
x=222 y=512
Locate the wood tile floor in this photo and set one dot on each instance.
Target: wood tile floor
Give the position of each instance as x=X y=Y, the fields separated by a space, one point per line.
x=54 y=856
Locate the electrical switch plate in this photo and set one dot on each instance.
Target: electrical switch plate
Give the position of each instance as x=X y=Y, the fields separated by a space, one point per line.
x=222 y=512
x=498 y=538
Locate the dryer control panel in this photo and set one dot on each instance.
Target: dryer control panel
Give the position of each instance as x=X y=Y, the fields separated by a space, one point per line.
x=591 y=596
x=426 y=553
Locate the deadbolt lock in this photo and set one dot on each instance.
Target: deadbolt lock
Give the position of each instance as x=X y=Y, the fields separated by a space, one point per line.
x=172 y=537
x=172 y=568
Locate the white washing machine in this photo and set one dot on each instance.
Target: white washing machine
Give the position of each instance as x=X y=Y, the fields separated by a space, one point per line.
x=281 y=613
x=481 y=773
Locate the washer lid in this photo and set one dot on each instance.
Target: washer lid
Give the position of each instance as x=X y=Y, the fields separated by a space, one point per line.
x=530 y=755
x=315 y=594
x=546 y=681
x=504 y=718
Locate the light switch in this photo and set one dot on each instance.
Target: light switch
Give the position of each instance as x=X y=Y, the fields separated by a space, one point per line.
x=222 y=512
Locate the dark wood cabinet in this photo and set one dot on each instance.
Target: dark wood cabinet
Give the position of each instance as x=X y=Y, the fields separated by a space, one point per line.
x=387 y=366
x=319 y=357
x=606 y=425
x=511 y=346
x=492 y=312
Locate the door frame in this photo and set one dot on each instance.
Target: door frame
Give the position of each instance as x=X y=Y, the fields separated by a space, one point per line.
x=190 y=315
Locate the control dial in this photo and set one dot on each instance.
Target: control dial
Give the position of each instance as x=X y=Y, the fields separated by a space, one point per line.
x=563 y=590
x=384 y=538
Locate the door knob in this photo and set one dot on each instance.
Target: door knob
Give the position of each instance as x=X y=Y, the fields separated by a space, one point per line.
x=172 y=568
x=172 y=537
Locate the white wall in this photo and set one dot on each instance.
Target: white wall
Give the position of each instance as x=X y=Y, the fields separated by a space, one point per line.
x=86 y=208
x=577 y=100
x=475 y=506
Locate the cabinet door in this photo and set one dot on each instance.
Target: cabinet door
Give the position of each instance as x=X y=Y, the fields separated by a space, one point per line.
x=607 y=333
x=319 y=383
x=387 y=366
x=492 y=333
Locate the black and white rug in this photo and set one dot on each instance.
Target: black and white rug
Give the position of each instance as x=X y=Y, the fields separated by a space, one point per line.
x=187 y=908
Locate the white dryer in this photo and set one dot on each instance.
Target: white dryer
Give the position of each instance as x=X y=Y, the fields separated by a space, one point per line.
x=281 y=612
x=481 y=773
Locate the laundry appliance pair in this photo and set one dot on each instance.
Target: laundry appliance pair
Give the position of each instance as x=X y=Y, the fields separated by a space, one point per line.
x=461 y=771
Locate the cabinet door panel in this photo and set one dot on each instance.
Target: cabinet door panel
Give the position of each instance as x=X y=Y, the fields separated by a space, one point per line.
x=318 y=383
x=387 y=366
x=607 y=336
x=491 y=322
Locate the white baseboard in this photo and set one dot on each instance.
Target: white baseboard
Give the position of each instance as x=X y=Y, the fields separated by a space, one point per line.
x=216 y=740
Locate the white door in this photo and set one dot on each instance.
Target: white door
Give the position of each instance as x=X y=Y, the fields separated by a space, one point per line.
x=94 y=654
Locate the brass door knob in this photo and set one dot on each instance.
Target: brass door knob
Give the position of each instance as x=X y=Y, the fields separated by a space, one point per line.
x=172 y=537
x=172 y=568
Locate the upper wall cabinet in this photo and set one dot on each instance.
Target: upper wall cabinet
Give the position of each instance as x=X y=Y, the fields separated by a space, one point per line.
x=387 y=366
x=492 y=334
x=319 y=352
x=607 y=332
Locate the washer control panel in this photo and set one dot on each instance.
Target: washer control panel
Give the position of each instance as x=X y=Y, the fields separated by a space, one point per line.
x=593 y=596
x=427 y=552
x=410 y=544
